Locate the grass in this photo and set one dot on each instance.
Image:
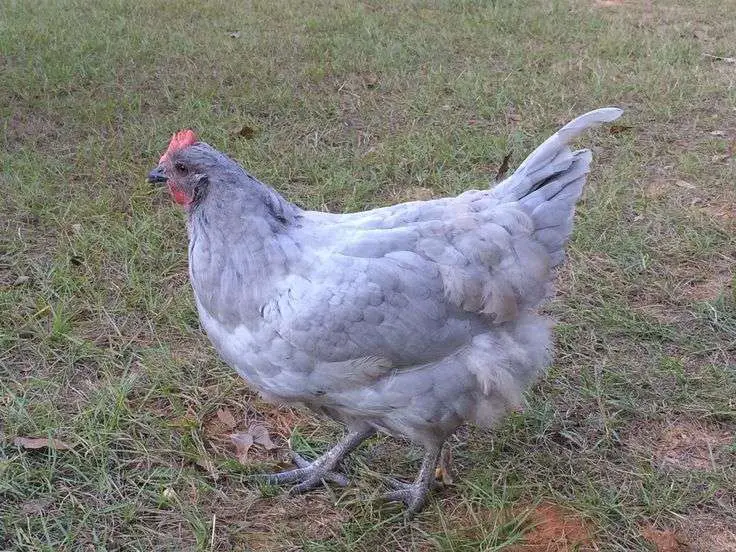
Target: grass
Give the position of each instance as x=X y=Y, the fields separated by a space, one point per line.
x=346 y=106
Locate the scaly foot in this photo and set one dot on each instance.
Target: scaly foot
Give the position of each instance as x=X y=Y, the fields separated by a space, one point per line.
x=309 y=475
x=413 y=495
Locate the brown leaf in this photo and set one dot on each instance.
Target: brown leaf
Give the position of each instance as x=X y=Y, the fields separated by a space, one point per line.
x=618 y=129
x=227 y=418
x=261 y=436
x=247 y=132
x=40 y=442
x=370 y=80
x=443 y=472
x=20 y=280
x=503 y=169
x=242 y=441
x=512 y=117
x=255 y=434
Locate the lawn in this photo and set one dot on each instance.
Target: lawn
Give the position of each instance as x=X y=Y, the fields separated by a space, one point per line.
x=629 y=442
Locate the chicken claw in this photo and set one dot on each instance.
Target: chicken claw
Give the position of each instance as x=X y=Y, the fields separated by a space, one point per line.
x=414 y=495
x=311 y=475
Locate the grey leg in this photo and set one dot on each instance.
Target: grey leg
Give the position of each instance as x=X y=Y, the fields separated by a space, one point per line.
x=312 y=474
x=414 y=495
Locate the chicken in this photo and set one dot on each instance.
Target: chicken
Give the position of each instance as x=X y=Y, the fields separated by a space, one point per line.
x=409 y=320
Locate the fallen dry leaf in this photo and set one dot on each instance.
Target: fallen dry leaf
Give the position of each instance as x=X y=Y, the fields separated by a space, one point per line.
x=618 y=129
x=503 y=168
x=443 y=472
x=370 y=80
x=20 y=280
x=261 y=436
x=227 y=418
x=33 y=443
x=242 y=441
x=246 y=132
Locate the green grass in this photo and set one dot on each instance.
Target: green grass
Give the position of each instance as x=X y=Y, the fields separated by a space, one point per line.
x=356 y=105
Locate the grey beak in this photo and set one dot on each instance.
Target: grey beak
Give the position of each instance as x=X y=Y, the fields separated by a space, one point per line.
x=157 y=176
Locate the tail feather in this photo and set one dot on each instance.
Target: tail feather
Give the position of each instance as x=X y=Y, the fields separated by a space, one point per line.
x=549 y=182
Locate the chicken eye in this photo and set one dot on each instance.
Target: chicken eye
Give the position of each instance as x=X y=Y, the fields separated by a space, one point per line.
x=181 y=168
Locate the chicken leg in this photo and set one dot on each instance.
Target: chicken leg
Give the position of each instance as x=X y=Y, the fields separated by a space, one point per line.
x=414 y=495
x=312 y=474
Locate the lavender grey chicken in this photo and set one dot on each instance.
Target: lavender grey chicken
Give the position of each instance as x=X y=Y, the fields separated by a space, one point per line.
x=408 y=320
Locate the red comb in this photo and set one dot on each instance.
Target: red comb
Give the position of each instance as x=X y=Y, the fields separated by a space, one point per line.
x=180 y=140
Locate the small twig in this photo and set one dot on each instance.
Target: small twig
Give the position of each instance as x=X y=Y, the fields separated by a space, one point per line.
x=721 y=58
x=212 y=536
x=503 y=168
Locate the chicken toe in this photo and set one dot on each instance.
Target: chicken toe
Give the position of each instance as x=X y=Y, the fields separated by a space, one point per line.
x=310 y=475
x=414 y=495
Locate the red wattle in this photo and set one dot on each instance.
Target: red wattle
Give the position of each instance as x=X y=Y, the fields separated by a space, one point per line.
x=178 y=195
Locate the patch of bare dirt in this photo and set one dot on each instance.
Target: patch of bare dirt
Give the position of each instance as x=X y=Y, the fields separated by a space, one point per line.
x=547 y=527
x=413 y=193
x=664 y=314
x=708 y=534
x=687 y=281
x=709 y=286
x=664 y=540
x=719 y=206
x=662 y=188
x=724 y=212
x=555 y=529
x=40 y=129
x=683 y=445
